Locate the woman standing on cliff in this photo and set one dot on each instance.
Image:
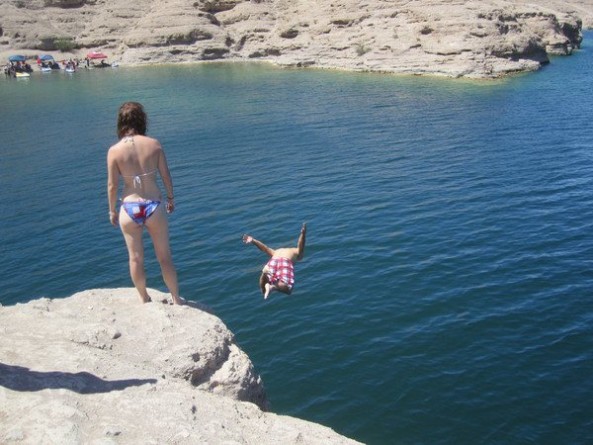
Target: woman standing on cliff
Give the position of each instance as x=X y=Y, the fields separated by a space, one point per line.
x=137 y=158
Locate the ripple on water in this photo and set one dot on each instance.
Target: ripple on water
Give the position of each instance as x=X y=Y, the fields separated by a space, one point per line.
x=444 y=295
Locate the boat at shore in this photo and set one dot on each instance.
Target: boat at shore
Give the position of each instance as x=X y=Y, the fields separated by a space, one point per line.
x=47 y=63
x=17 y=66
x=70 y=66
x=93 y=56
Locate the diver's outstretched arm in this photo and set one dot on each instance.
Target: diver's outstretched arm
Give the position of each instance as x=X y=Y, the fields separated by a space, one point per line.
x=301 y=242
x=248 y=239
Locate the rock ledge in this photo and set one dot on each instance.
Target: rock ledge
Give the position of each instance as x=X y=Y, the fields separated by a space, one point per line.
x=99 y=367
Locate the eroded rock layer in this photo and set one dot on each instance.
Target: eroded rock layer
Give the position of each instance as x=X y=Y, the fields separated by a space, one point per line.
x=452 y=38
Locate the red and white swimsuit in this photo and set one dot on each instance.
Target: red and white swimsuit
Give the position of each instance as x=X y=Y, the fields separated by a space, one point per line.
x=280 y=269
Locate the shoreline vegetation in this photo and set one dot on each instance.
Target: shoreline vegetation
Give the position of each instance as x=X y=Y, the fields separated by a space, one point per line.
x=437 y=38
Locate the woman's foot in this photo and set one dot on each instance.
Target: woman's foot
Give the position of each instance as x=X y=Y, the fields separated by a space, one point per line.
x=179 y=301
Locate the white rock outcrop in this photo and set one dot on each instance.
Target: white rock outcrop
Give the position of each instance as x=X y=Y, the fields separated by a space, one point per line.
x=440 y=37
x=101 y=368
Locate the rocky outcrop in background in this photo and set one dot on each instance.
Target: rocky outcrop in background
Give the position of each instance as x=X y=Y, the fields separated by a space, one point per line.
x=442 y=37
x=100 y=367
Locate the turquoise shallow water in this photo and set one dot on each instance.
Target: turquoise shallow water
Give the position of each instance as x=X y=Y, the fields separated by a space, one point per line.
x=445 y=296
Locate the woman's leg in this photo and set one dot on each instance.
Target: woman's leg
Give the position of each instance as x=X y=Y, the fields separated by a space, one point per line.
x=158 y=228
x=133 y=236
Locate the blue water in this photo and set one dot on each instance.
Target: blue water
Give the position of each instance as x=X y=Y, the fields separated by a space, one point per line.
x=446 y=292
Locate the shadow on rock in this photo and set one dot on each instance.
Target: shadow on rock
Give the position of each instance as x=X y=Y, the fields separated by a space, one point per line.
x=19 y=378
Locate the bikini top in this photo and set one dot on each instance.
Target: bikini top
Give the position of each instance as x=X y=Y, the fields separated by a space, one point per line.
x=136 y=179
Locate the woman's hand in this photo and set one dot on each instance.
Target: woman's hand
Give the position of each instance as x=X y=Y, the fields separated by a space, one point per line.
x=114 y=218
x=247 y=239
x=170 y=205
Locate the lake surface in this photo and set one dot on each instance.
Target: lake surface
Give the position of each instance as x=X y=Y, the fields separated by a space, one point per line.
x=446 y=296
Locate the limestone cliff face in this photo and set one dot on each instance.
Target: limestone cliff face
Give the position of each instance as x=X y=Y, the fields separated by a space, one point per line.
x=99 y=367
x=452 y=38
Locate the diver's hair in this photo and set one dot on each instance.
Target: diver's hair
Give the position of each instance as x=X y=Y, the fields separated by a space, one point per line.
x=131 y=118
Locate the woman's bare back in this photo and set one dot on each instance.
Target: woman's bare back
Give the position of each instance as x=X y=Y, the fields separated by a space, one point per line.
x=137 y=158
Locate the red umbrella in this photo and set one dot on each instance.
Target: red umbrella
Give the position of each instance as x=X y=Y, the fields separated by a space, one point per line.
x=96 y=55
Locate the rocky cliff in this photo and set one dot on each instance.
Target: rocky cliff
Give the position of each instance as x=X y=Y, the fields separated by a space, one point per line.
x=99 y=367
x=442 y=37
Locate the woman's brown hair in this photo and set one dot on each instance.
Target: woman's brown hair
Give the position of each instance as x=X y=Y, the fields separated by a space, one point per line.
x=131 y=119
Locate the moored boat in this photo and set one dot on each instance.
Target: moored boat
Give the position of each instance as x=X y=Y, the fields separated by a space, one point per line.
x=18 y=67
x=70 y=66
x=47 y=63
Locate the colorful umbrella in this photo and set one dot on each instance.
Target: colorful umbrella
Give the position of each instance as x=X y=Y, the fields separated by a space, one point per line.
x=17 y=59
x=96 y=55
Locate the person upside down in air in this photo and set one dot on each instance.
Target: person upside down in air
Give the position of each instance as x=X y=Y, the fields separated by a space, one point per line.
x=278 y=273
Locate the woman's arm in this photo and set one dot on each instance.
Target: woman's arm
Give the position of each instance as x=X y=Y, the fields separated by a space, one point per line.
x=112 y=186
x=167 y=180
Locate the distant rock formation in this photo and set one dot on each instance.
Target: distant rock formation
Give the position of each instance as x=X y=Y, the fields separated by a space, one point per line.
x=440 y=37
x=99 y=367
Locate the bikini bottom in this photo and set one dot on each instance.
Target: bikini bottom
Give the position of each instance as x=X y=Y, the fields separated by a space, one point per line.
x=140 y=210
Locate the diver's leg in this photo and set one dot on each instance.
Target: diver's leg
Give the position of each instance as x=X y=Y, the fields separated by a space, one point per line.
x=268 y=290
x=263 y=280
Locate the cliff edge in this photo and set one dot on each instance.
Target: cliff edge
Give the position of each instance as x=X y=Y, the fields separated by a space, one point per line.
x=99 y=367
x=439 y=37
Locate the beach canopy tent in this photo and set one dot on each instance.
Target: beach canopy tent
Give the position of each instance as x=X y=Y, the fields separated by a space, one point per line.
x=96 y=55
x=17 y=59
x=46 y=57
